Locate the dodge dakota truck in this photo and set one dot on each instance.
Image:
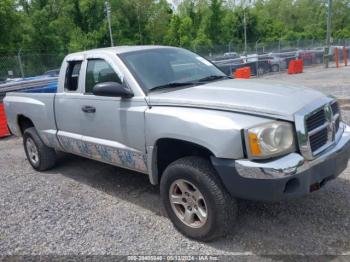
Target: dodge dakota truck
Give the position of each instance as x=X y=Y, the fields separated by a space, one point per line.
x=204 y=138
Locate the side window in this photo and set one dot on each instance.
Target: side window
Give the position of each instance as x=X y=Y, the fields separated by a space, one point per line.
x=72 y=75
x=99 y=71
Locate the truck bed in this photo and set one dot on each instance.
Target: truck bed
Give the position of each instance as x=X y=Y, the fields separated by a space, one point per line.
x=30 y=85
x=38 y=107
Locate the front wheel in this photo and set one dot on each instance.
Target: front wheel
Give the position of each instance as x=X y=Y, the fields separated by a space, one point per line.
x=195 y=200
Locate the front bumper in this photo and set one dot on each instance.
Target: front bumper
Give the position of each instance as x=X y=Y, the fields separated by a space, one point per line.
x=287 y=177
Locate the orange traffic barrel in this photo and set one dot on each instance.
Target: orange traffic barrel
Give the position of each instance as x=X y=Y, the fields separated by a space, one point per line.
x=292 y=67
x=243 y=72
x=4 y=131
x=299 y=66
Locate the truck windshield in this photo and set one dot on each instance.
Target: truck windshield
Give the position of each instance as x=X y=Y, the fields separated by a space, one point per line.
x=170 y=68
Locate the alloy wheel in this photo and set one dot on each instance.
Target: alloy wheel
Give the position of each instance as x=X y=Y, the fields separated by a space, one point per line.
x=188 y=203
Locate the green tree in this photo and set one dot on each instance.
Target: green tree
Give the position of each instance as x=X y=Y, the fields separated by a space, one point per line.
x=11 y=26
x=173 y=34
x=63 y=26
x=185 y=32
x=215 y=21
x=158 y=22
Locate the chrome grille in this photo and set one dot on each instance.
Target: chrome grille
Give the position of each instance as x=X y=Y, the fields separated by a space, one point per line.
x=337 y=124
x=335 y=108
x=316 y=120
x=319 y=139
x=317 y=127
x=336 y=115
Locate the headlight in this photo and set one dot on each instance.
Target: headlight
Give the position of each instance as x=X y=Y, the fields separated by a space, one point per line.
x=269 y=140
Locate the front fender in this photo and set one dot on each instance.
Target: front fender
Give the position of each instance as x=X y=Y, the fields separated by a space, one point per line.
x=218 y=131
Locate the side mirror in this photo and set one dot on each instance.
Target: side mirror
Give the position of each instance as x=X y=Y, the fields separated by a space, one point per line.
x=113 y=89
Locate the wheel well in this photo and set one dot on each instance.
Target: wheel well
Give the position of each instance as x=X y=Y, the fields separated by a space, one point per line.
x=169 y=150
x=24 y=123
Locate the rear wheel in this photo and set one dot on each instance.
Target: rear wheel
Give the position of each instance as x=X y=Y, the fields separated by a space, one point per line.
x=261 y=71
x=40 y=156
x=318 y=60
x=275 y=68
x=195 y=200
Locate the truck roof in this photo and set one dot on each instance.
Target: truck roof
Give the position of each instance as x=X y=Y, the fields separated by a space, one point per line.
x=119 y=49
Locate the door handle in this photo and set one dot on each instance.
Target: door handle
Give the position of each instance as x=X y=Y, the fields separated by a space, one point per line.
x=88 y=109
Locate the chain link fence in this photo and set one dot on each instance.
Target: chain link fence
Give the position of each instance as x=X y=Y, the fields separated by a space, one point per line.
x=9 y=67
x=267 y=47
x=261 y=57
x=28 y=64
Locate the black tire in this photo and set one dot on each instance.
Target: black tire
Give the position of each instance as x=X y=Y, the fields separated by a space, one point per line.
x=221 y=207
x=8 y=128
x=318 y=60
x=275 y=68
x=46 y=158
x=261 y=71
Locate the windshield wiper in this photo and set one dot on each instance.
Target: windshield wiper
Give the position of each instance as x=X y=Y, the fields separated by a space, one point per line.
x=197 y=82
x=171 y=85
x=213 y=78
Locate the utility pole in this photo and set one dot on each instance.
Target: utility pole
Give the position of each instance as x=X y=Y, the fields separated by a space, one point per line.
x=256 y=46
x=139 y=23
x=108 y=11
x=329 y=34
x=244 y=5
x=245 y=32
x=279 y=45
x=20 y=62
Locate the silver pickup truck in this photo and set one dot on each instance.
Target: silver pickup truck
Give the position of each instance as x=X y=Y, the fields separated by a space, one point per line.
x=205 y=138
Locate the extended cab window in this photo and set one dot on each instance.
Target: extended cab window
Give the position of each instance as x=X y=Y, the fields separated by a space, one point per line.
x=99 y=71
x=72 y=75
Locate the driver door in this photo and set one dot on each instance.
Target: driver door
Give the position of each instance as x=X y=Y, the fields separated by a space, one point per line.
x=112 y=127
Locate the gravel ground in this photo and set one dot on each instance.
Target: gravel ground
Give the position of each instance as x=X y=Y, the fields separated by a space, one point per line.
x=86 y=207
x=333 y=81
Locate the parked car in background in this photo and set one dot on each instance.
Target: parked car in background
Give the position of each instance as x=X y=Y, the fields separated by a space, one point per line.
x=287 y=55
x=347 y=53
x=340 y=52
x=259 y=64
x=228 y=63
x=318 y=55
x=310 y=57
x=231 y=54
x=227 y=57
x=52 y=73
x=276 y=62
x=306 y=56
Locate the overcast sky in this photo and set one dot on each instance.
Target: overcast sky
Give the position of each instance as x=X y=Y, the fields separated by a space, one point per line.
x=174 y=2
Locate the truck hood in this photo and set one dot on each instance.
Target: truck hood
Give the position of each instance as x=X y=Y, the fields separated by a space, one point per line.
x=259 y=97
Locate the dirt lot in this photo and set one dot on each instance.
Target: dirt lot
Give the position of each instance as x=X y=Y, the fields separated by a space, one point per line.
x=86 y=207
x=333 y=81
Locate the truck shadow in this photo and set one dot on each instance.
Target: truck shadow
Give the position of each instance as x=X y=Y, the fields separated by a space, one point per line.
x=121 y=183
x=315 y=224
